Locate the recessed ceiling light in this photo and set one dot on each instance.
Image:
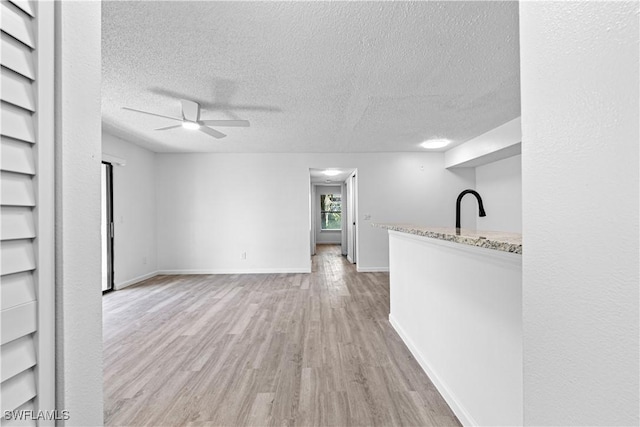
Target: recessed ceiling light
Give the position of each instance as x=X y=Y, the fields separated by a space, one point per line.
x=190 y=125
x=435 y=143
x=331 y=172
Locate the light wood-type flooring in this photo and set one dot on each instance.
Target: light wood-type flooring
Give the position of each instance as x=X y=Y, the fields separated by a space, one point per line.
x=265 y=350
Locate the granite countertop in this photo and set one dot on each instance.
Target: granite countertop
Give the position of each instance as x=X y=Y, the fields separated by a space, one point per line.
x=497 y=240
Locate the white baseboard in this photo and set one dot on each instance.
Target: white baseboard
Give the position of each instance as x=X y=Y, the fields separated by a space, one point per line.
x=238 y=271
x=349 y=258
x=372 y=269
x=135 y=280
x=463 y=416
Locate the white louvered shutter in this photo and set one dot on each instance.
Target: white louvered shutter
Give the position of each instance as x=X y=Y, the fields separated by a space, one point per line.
x=26 y=212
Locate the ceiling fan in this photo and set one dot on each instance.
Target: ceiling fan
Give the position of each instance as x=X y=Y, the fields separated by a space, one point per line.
x=191 y=120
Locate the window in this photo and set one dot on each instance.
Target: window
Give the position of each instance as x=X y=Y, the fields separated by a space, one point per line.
x=330 y=212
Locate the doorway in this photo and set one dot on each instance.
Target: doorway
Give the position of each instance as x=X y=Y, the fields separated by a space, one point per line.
x=333 y=209
x=107 y=226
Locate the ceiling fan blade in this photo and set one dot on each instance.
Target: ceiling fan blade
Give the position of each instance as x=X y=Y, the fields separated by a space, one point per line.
x=229 y=123
x=151 y=114
x=169 y=127
x=190 y=110
x=211 y=132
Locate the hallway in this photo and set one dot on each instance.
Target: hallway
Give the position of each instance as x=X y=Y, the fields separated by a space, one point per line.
x=263 y=349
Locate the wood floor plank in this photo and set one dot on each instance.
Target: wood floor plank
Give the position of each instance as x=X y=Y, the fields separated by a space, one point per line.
x=263 y=350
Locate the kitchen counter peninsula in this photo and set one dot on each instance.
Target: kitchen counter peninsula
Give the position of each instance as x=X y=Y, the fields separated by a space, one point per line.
x=456 y=302
x=497 y=240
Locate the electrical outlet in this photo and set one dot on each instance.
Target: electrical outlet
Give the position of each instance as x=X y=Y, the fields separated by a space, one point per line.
x=243 y=255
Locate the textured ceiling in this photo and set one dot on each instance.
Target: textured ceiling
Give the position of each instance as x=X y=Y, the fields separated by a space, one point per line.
x=310 y=76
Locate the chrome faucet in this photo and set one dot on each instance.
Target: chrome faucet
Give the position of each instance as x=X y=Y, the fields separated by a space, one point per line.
x=480 y=206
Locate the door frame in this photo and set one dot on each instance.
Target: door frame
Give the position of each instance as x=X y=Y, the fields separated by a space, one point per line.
x=352 y=217
x=351 y=207
x=312 y=217
x=110 y=227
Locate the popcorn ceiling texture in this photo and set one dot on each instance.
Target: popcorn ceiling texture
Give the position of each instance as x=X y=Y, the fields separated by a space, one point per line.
x=310 y=76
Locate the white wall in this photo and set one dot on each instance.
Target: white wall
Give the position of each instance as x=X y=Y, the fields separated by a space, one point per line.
x=500 y=186
x=134 y=211
x=580 y=212
x=78 y=263
x=497 y=144
x=213 y=207
x=326 y=236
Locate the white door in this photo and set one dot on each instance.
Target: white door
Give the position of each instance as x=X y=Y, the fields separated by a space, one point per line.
x=351 y=218
x=27 y=207
x=106 y=226
x=345 y=207
x=312 y=217
x=354 y=222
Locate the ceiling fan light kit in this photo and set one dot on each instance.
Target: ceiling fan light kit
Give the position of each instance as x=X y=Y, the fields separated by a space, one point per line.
x=191 y=120
x=190 y=125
